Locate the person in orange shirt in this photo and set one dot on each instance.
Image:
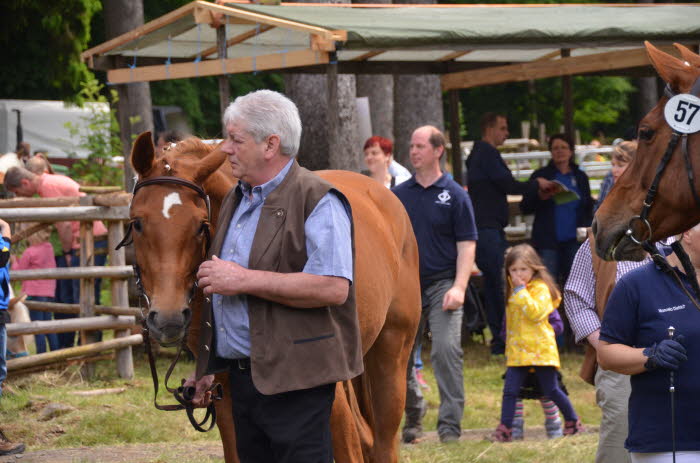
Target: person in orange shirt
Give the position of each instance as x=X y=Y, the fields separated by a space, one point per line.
x=22 y=182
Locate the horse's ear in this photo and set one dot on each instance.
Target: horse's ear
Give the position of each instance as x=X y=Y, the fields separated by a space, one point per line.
x=672 y=70
x=688 y=55
x=143 y=154
x=209 y=164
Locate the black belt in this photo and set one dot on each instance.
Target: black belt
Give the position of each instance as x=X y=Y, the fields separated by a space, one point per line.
x=240 y=364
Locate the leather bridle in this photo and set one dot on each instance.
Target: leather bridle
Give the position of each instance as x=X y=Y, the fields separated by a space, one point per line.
x=183 y=395
x=642 y=218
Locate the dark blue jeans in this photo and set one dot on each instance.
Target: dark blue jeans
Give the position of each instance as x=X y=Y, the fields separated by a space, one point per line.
x=68 y=291
x=547 y=377
x=40 y=315
x=490 y=249
x=559 y=259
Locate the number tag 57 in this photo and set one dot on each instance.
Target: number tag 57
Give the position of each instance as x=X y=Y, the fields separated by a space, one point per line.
x=682 y=113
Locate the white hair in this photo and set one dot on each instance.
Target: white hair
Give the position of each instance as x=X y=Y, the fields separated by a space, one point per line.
x=266 y=113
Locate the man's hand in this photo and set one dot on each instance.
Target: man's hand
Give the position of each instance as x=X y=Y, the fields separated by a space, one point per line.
x=547 y=188
x=222 y=277
x=202 y=395
x=453 y=299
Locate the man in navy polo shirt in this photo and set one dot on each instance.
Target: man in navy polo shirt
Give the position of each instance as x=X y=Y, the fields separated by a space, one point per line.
x=443 y=221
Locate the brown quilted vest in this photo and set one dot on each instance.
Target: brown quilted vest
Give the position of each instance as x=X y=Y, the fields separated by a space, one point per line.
x=291 y=348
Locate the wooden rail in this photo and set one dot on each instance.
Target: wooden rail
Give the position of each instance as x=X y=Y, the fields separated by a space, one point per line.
x=58 y=307
x=102 y=322
x=72 y=273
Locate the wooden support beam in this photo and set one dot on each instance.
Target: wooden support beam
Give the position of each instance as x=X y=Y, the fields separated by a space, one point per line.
x=63 y=354
x=236 y=39
x=62 y=201
x=215 y=67
x=55 y=214
x=70 y=273
x=567 y=90
x=60 y=307
x=549 y=68
x=368 y=55
x=548 y=56
x=120 y=297
x=102 y=322
x=454 y=55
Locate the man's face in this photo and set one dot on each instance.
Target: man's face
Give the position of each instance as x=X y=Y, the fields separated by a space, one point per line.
x=499 y=131
x=423 y=155
x=244 y=153
x=26 y=189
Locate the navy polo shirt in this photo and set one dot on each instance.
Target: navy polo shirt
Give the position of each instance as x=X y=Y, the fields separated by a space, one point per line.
x=441 y=215
x=644 y=303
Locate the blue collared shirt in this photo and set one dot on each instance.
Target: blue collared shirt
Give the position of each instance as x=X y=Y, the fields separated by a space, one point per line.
x=328 y=247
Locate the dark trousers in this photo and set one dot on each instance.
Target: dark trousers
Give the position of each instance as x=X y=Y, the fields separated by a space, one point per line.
x=490 y=250
x=290 y=427
x=68 y=292
x=40 y=315
x=559 y=259
x=547 y=377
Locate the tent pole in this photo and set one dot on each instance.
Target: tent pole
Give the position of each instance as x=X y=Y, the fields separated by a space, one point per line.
x=332 y=104
x=455 y=139
x=568 y=97
x=224 y=91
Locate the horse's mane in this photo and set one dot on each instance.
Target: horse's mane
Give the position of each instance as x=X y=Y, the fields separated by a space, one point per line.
x=193 y=145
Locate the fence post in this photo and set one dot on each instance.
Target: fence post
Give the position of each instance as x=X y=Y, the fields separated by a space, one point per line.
x=120 y=297
x=87 y=289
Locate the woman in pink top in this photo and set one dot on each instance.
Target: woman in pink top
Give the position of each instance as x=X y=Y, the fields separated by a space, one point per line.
x=38 y=255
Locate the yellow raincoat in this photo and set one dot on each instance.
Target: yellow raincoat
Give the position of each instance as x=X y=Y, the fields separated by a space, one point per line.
x=529 y=336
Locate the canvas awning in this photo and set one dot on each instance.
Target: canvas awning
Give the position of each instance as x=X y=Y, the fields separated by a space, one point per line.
x=469 y=44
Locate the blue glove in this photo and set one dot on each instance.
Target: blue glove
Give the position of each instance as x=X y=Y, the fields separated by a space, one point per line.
x=668 y=354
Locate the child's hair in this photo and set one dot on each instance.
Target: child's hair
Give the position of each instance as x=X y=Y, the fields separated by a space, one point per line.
x=529 y=256
x=624 y=151
x=39 y=237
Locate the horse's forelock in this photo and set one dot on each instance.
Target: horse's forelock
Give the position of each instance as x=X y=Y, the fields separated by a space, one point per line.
x=194 y=146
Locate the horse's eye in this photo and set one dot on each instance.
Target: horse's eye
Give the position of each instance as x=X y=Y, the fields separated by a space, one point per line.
x=137 y=225
x=646 y=133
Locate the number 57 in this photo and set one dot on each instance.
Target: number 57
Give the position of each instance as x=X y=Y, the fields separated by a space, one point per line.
x=682 y=112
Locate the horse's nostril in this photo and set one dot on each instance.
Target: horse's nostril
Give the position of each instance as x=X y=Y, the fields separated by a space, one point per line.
x=594 y=227
x=186 y=316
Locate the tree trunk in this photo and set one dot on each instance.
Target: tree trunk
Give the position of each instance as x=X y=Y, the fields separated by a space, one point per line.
x=648 y=95
x=134 y=106
x=379 y=89
x=318 y=150
x=417 y=102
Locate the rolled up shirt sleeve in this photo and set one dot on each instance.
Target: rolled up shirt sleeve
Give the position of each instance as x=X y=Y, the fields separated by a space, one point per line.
x=329 y=239
x=579 y=295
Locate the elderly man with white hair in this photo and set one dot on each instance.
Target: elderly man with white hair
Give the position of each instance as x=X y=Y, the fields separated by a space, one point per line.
x=282 y=318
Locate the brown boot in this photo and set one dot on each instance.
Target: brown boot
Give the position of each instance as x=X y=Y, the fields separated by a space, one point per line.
x=9 y=448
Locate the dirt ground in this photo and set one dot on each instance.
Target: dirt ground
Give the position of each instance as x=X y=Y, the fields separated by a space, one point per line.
x=146 y=453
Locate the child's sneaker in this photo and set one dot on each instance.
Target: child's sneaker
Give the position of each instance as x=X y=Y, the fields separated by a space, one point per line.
x=553 y=428
x=517 y=429
x=501 y=434
x=573 y=427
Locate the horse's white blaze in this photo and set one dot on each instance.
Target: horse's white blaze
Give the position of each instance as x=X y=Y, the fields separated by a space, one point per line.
x=169 y=201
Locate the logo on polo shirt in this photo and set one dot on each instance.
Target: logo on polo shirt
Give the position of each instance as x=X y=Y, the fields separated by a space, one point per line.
x=672 y=309
x=443 y=198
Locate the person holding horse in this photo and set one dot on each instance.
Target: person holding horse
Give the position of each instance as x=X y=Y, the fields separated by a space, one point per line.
x=22 y=182
x=585 y=295
x=490 y=183
x=282 y=318
x=443 y=221
x=651 y=332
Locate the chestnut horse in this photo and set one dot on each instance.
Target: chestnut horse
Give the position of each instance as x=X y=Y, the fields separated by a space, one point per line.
x=675 y=207
x=169 y=222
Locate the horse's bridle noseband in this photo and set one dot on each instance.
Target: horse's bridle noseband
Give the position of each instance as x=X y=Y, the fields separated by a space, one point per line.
x=183 y=395
x=642 y=218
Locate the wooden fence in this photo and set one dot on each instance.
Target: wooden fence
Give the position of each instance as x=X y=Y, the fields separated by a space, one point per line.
x=112 y=208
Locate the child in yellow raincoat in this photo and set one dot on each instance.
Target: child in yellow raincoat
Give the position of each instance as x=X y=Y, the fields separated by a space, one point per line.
x=532 y=296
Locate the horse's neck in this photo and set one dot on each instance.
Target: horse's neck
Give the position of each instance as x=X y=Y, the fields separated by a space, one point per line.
x=217 y=187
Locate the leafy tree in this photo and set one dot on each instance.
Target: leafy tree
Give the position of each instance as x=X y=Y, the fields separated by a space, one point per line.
x=41 y=44
x=100 y=137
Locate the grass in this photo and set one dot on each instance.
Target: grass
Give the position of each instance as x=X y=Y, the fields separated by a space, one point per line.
x=130 y=417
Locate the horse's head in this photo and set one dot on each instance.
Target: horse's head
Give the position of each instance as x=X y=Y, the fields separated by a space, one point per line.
x=674 y=207
x=170 y=229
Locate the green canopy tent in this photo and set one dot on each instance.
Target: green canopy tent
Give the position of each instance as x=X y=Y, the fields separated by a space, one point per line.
x=468 y=45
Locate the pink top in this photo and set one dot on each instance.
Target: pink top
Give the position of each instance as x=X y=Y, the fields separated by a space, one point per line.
x=52 y=186
x=37 y=256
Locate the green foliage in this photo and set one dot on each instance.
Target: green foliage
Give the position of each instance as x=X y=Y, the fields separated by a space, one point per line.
x=41 y=43
x=99 y=136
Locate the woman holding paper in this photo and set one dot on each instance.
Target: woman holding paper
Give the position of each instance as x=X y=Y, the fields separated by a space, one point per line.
x=558 y=213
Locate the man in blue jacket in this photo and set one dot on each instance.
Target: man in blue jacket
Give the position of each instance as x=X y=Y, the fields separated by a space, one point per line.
x=490 y=182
